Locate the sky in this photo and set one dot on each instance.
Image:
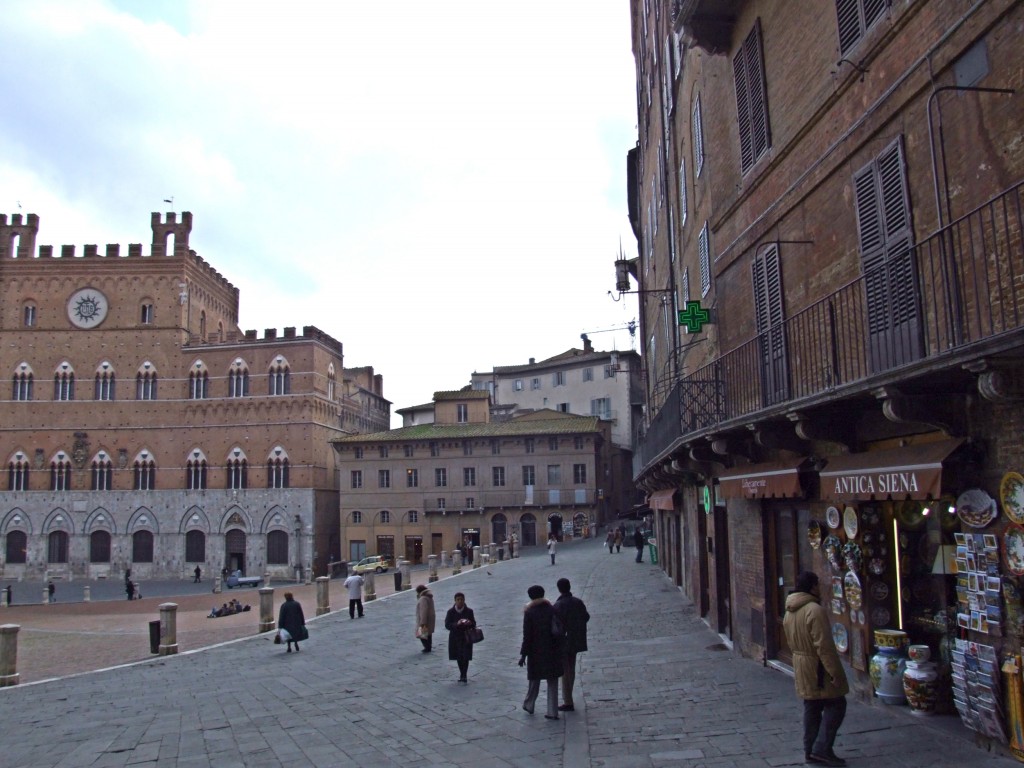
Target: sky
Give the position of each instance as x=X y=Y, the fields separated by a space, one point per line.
x=438 y=184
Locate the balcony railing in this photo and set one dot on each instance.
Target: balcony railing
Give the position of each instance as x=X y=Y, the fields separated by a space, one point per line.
x=957 y=294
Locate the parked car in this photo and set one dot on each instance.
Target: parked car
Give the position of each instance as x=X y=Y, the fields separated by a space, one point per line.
x=236 y=579
x=377 y=564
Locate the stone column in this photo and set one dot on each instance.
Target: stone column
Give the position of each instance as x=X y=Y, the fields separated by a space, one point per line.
x=323 y=595
x=476 y=556
x=9 y=655
x=46 y=595
x=504 y=547
x=168 y=629
x=369 y=589
x=266 y=578
x=456 y=561
x=432 y=567
x=86 y=593
x=445 y=561
x=216 y=585
x=406 y=576
x=309 y=575
x=266 y=609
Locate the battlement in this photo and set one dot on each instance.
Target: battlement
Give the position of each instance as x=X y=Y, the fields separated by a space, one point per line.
x=309 y=333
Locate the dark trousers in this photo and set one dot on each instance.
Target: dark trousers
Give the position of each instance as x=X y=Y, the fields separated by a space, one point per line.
x=428 y=642
x=353 y=605
x=568 y=677
x=822 y=718
x=639 y=554
x=463 y=668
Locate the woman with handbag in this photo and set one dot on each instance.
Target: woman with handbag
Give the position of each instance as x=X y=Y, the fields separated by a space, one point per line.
x=291 y=623
x=458 y=621
x=425 y=617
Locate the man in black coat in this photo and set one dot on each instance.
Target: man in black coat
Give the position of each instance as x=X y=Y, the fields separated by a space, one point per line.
x=291 y=619
x=638 y=542
x=542 y=646
x=574 y=617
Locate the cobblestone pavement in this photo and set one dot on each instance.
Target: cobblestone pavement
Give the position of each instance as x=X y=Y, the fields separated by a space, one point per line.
x=654 y=690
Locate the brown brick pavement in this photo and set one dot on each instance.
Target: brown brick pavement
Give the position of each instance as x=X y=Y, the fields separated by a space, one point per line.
x=63 y=639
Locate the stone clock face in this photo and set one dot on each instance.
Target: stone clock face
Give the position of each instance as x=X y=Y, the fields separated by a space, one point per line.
x=87 y=308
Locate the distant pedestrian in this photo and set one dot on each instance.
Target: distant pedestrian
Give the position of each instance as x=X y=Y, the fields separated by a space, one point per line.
x=458 y=621
x=574 y=616
x=198 y=575
x=818 y=673
x=291 y=623
x=425 y=617
x=638 y=542
x=10 y=595
x=541 y=651
x=609 y=541
x=512 y=546
x=617 y=541
x=354 y=585
x=129 y=589
x=50 y=592
x=552 y=545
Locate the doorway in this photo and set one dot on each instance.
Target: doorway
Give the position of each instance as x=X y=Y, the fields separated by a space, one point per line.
x=528 y=526
x=234 y=550
x=723 y=579
x=555 y=525
x=414 y=549
x=790 y=553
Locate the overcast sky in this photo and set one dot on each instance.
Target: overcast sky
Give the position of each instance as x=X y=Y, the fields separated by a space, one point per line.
x=438 y=184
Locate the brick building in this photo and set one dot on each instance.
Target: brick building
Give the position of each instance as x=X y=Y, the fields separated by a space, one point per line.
x=144 y=430
x=463 y=478
x=842 y=191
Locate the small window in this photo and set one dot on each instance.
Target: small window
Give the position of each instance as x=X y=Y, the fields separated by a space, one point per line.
x=238 y=379
x=682 y=193
x=601 y=407
x=435 y=450
x=144 y=474
x=534 y=383
x=357 y=453
x=461 y=413
x=497 y=476
x=704 y=251
x=30 y=315
x=357 y=516
x=609 y=371
x=554 y=474
x=562 y=407
x=440 y=503
x=102 y=474
x=577 y=442
x=198 y=383
x=23 y=384
x=277 y=472
x=414 y=516
x=469 y=476
x=383 y=478
x=407 y=449
x=751 y=100
x=64 y=383
x=280 y=377
x=530 y=445
x=495 y=447
x=558 y=379
x=470 y=502
x=518 y=386
x=104 y=384
x=412 y=478
x=147 y=314
x=440 y=477
x=552 y=443
x=579 y=474
x=855 y=18
x=385 y=516
x=382 y=451
x=195 y=473
x=238 y=475
x=588 y=374
x=60 y=475
x=357 y=478
x=145 y=385
x=467 y=447
x=529 y=476
x=698 y=138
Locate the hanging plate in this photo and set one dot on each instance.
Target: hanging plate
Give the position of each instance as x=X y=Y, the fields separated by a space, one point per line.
x=814 y=534
x=1011 y=493
x=976 y=508
x=852 y=590
x=1013 y=549
x=850 y=522
x=832 y=517
x=879 y=591
x=841 y=637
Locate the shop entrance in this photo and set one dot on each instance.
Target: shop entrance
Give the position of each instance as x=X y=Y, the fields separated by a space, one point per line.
x=723 y=580
x=528 y=526
x=414 y=549
x=234 y=550
x=789 y=553
x=555 y=525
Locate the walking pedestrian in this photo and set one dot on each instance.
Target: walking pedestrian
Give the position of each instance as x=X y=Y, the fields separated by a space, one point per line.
x=51 y=591
x=10 y=595
x=541 y=651
x=574 y=616
x=425 y=617
x=512 y=546
x=198 y=575
x=129 y=589
x=638 y=542
x=291 y=623
x=354 y=585
x=609 y=541
x=459 y=619
x=617 y=541
x=818 y=673
x=552 y=544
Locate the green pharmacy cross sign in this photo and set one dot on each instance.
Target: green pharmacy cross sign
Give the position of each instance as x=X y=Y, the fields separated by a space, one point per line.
x=694 y=317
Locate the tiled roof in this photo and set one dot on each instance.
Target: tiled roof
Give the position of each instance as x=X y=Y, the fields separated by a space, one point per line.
x=536 y=424
x=462 y=394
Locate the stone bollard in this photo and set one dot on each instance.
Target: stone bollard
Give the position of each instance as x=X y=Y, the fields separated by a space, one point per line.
x=456 y=561
x=266 y=609
x=432 y=568
x=446 y=561
x=503 y=550
x=46 y=595
x=168 y=629
x=9 y=655
x=86 y=593
x=406 y=575
x=476 y=556
x=309 y=575
x=266 y=579
x=323 y=595
x=216 y=585
x=369 y=589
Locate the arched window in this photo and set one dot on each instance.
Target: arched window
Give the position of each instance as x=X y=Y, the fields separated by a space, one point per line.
x=195 y=471
x=64 y=382
x=330 y=382
x=60 y=473
x=277 y=469
x=237 y=471
x=57 y=547
x=198 y=382
x=280 y=377
x=144 y=472
x=195 y=547
x=99 y=547
x=17 y=476
x=29 y=315
x=17 y=547
x=238 y=379
x=102 y=472
x=202 y=324
x=145 y=382
x=23 y=383
x=142 y=547
x=105 y=381
x=277 y=548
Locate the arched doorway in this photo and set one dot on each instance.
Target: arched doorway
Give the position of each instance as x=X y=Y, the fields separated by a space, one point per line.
x=234 y=550
x=528 y=527
x=499 y=528
x=580 y=525
x=555 y=525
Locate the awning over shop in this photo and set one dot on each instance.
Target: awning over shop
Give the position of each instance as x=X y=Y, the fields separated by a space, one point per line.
x=662 y=499
x=779 y=479
x=638 y=512
x=911 y=472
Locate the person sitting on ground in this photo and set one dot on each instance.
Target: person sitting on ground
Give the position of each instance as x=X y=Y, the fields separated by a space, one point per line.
x=213 y=613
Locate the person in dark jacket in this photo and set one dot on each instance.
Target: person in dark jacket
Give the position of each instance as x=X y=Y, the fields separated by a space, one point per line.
x=541 y=650
x=638 y=542
x=457 y=621
x=291 y=619
x=574 y=617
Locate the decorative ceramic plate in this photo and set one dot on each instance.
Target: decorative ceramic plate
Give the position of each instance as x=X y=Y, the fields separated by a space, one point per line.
x=861 y=618
x=880 y=617
x=853 y=557
x=1013 y=549
x=850 y=522
x=814 y=534
x=841 y=637
x=876 y=566
x=832 y=517
x=852 y=589
x=1011 y=493
x=879 y=591
x=832 y=546
x=909 y=513
x=976 y=508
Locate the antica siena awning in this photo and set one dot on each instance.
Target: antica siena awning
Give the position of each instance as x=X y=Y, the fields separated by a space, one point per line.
x=911 y=472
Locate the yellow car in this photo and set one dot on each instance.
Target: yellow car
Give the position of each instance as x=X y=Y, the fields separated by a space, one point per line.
x=377 y=564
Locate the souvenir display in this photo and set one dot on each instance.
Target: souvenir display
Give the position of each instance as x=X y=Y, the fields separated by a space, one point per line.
x=880 y=617
x=832 y=545
x=814 y=534
x=920 y=682
x=876 y=566
x=1011 y=494
x=837 y=587
x=832 y=517
x=879 y=591
x=853 y=558
x=852 y=588
x=1013 y=549
x=841 y=637
x=976 y=688
x=976 y=508
x=910 y=514
x=838 y=606
x=857 y=650
x=850 y=522
x=888 y=665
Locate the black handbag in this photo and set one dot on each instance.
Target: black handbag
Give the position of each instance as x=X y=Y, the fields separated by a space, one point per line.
x=475 y=635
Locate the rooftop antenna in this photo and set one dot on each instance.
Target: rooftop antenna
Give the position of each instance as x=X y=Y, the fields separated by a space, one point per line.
x=169 y=199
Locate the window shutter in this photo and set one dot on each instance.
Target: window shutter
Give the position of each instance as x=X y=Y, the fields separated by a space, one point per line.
x=704 y=249
x=739 y=72
x=698 y=139
x=848 y=14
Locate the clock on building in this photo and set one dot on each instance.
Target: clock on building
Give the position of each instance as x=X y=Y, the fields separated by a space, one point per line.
x=87 y=308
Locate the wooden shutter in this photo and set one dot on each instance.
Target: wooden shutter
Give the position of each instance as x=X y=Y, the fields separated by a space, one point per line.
x=769 y=314
x=751 y=99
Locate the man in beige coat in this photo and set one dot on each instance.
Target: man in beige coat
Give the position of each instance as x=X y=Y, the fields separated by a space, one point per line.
x=820 y=678
x=425 y=617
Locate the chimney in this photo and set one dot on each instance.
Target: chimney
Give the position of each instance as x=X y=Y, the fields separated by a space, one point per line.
x=588 y=346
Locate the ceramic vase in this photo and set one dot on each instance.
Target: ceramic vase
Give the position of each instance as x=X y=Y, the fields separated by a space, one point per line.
x=888 y=665
x=920 y=684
